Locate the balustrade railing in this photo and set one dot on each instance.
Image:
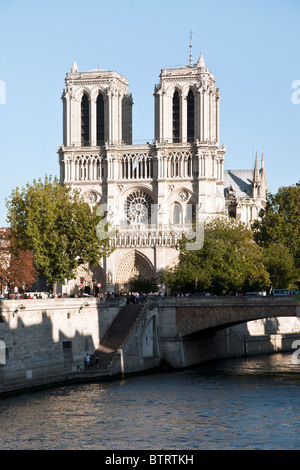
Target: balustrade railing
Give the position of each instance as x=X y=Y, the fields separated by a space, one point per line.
x=138 y=235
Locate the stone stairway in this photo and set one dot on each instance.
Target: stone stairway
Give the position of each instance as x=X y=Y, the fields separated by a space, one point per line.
x=115 y=336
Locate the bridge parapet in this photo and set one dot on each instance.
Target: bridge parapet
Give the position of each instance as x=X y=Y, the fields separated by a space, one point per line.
x=190 y=315
x=226 y=300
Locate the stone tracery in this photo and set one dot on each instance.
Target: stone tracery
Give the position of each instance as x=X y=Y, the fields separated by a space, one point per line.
x=137 y=207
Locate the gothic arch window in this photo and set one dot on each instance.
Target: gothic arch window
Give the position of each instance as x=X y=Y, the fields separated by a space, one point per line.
x=190 y=215
x=85 y=120
x=100 y=119
x=175 y=166
x=125 y=167
x=99 y=169
x=149 y=165
x=177 y=214
x=190 y=116
x=176 y=117
x=84 y=170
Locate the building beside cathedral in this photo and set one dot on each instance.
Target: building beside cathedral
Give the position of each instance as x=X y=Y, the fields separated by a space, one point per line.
x=150 y=193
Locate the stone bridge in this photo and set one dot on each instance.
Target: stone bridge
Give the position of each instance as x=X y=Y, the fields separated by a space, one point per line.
x=196 y=329
x=191 y=315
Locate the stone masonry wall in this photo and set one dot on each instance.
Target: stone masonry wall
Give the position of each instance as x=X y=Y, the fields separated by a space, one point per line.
x=49 y=338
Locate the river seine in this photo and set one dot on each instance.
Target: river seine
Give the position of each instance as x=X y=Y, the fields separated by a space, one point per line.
x=230 y=404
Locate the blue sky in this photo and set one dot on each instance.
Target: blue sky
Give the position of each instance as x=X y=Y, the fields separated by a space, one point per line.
x=252 y=47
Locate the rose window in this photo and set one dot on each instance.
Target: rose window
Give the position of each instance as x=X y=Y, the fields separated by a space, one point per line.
x=138 y=207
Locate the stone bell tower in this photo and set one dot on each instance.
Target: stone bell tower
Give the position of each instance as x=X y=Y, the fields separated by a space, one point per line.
x=187 y=118
x=187 y=105
x=97 y=108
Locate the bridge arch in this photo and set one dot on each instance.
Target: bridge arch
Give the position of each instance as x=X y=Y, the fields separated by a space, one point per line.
x=196 y=315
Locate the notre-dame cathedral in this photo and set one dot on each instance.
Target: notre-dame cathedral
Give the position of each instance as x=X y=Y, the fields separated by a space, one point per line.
x=150 y=193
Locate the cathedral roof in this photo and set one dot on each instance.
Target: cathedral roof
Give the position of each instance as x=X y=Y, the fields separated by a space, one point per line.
x=97 y=70
x=239 y=182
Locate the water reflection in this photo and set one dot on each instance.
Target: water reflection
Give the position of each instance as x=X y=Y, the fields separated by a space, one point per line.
x=234 y=404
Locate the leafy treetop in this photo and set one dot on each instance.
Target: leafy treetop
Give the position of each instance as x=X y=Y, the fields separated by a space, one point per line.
x=58 y=226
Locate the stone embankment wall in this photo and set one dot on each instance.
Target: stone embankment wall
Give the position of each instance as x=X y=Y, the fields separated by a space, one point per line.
x=47 y=342
x=141 y=350
x=49 y=339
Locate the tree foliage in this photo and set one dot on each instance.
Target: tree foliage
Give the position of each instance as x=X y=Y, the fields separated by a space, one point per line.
x=58 y=226
x=15 y=265
x=141 y=284
x=21 y=270
x=278 y=231
x=280 y=265
x=279 y=222
x=4 y=254
x=229 y=261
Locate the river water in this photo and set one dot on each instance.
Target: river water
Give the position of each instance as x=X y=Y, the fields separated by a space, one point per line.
x=248 y=403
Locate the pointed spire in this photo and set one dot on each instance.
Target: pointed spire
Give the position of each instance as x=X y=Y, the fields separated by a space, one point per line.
x=201 y=62
x=74 y=68
x=256 y=170
x=264 y=186
x=262 y=161
x=191 y=47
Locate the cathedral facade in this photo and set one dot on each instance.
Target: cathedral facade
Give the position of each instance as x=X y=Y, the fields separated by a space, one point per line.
x=150 y=193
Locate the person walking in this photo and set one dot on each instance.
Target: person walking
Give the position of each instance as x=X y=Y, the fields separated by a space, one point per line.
x=87 y=361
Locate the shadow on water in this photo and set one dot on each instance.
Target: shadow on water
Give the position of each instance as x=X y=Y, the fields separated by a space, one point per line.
x=274 y=366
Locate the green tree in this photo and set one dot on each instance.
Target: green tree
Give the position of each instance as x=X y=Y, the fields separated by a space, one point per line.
x=57 y=225
x=141 y=284
x=280 y=265
x=280 y=221
x=229 y=261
